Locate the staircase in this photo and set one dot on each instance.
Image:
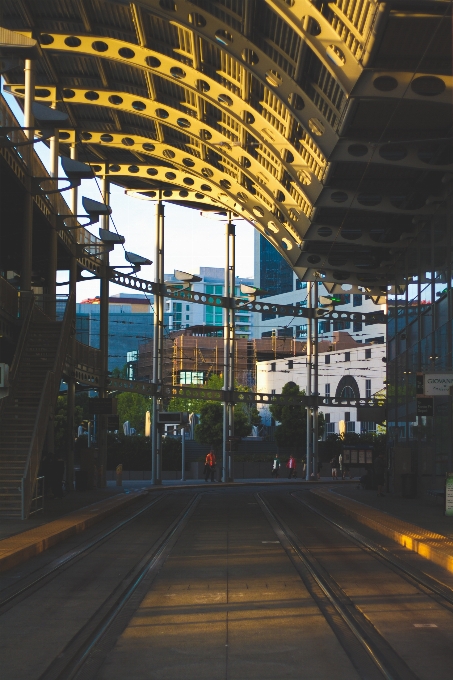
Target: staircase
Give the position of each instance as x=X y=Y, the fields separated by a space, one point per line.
x=25 y=413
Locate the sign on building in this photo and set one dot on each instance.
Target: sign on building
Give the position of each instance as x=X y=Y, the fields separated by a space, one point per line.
x=449 y=494
x=425 y=406
x=438 y=384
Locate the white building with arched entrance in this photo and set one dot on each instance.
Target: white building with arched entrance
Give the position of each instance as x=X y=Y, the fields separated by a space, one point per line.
x=347 y=370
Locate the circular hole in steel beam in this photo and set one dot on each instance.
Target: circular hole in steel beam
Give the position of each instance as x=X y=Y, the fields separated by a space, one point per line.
x=197 y=20
x=153 y=62
x=188 y=162
x=162 y=113
x=223 y=37
x=126 y=53
x=46 y=39
x=428 y=86
x=72 y=41
x=133 y=168
x=249 y=56
x=177 y=72
x=106 y=138
x=115 y=99
x=296 y=101
x=99 y=46
x=91 y=95
x=357 y=150
x=139 y=106
x=148 y=147
x=128 y=141
x=168 y=153
x=385 y=83
x=152 y=171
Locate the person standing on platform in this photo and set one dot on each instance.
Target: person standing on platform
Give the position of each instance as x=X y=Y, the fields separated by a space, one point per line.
x=210 y=466
x=291 y=465
x=276 y=466
x=334 y=465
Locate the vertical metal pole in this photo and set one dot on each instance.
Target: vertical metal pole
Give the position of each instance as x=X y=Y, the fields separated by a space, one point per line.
x=226 y=356
x=27 y=236
x=104 y=338
x=157 y=367
x=232 y=311
x=71 y=380
x=52 y=262
x=315 y=382
x=161 y=339
x=183 y=454
x=309 y=425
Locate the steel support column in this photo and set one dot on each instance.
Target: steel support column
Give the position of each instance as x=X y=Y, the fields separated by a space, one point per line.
x=156 y=440
x=27 y=236
x=315 y=362
x=52 y=262
x=309 y=390
x=104 y=340
x=228 y=351
x=71 y=381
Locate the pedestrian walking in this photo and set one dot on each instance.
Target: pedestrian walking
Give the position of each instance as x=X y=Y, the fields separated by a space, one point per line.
x=334 y=466
x=379 y=474
x=291 y=465
x=320 y=466
x=276 y=466
x=210 y=466
x=340 y=465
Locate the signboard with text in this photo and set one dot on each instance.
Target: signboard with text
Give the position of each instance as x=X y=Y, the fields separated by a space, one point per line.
x=449 y=494
x=438 y=384
x=425 y=406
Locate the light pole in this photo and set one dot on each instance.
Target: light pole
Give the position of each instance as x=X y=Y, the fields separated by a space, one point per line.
x=315 y=381
x=156 y=439
x=309 y=390
x=228 y=349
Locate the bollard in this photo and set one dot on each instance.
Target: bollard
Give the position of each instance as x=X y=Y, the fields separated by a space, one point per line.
x=119 y=475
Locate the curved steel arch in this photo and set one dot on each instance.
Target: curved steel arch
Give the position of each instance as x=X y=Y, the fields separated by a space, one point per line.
x=237 y=108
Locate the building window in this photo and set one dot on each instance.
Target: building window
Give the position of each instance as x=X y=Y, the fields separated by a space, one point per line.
x=324 y=326
x=273 y=391
x=327 y=417
x=368 y=389
x=368 y=353
x=191 y=378
x=357 y=326
x=347 y=393
x=347 y=356
x=300 y=285
x=327 y=359
x=187 y=308
x=273 y=366
x=327 y=388
x=347 y=416
x=330 y=428
x=350 y=426
x=367 y=426
x=357 y=300
x=290 y=364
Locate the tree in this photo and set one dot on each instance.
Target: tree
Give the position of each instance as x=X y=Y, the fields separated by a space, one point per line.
x=179 y=404
x=120 y=372
x=210 y=428
x=133 y=407
x=292 y=431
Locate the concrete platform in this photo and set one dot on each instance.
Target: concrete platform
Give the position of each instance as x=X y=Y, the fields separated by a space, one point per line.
x=427 y=542
x=26 y=544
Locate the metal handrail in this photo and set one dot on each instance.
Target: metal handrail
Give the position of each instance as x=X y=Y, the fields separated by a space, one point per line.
x=46 y=405
x=19 y=349
x=9 y=298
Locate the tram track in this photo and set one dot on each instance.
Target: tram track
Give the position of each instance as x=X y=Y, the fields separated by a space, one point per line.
x=441 y=593
x=87 y=650
x=11 y=595
x=370 y=653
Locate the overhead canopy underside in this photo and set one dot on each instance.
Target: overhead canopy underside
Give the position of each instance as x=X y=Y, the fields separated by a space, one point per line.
x=328 y=125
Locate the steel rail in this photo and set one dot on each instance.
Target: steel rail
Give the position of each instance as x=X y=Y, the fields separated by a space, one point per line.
x=410 y=575
x=72 y=660
x=364 y=633
x=56 y=566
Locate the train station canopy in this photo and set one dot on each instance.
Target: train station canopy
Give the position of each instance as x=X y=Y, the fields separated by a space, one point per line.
x=327 y=125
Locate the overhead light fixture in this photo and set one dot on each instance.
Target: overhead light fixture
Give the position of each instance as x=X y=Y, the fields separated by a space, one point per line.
x=137 y=261
x=186 y=277
x=111 y=238
x=252 y=292
x=94 y=210
x=75 y=172
x=47 y=121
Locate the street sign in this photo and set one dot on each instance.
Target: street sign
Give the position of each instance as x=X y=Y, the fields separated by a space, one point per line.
x=438 y=384
x=173 y=418
x=425 y=406
x=102 y=407
x=419 y=384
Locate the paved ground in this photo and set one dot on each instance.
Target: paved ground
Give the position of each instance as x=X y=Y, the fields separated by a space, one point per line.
x=214 y=584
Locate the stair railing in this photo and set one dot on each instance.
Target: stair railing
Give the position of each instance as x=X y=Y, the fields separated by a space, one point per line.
x=45 y=408
x=18 y=354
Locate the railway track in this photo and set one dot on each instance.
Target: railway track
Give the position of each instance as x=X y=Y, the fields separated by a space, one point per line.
x=371 y=655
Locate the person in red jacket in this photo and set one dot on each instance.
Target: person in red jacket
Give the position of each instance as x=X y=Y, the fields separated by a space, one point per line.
x=291 y=465
x=210 y=466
